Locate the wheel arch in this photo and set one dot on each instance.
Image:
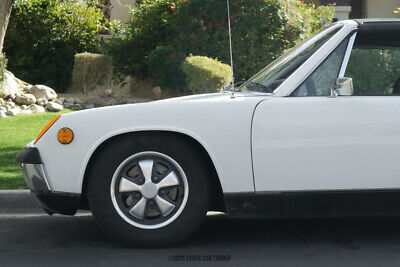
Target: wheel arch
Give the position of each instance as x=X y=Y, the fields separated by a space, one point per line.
x=217 y=200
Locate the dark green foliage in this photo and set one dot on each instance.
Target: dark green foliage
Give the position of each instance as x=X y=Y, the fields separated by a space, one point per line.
x=3 y=66
x=374 y=71
x=164 y=66
x=262 y=30
x=44 y=35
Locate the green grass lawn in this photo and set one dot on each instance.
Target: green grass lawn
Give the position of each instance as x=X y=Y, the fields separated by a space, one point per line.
x=15 y=133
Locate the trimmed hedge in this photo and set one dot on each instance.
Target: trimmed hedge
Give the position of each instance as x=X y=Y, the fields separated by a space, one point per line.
x=90 y=70
x=205 y=75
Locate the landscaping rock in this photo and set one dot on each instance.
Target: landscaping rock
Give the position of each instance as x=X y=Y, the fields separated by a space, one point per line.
x=123 y=100
x=11 y=87
x=2 y=102
x=36 y=108
x=2 y=114
x=68 y=105
x=89 y=106
x=24 y=107
x=13 y=111
x=43 y=91
x=53 y=106
x=61 y=100
x=108 y=92
x=77 y=101
x=3 y=109
x=28 y=88
x=25 y=99
x=42 y=102
x=70 y=100
x=78 y=106
x=10 y=104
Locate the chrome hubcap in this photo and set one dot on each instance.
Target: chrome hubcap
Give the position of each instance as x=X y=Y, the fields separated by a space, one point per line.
x=149 y=190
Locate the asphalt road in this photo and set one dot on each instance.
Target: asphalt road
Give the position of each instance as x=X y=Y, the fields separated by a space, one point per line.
x=69 y=241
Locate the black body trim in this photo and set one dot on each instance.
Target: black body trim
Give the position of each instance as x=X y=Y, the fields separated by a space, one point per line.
x=62 y=203
x=29 y=155
x=314 y=204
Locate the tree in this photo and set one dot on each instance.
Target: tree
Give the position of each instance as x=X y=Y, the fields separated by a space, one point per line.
x=5 y=12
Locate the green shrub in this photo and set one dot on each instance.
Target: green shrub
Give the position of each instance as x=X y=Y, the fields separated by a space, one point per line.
x=44 y=35
x=165 y=67
x=3 y=66
x=205 y=75
x=148 y=28
x=372 y=79
x=90 y=70
x=261 y=31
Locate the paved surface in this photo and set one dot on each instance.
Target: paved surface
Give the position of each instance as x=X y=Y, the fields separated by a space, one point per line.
x=69 y=241
x=18 y=201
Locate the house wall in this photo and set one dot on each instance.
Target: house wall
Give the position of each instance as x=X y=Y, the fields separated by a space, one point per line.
x=381 y=8
x=120 y=9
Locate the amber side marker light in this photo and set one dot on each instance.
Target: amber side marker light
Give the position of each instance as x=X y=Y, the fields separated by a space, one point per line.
x=46 y=128
x=65 y=136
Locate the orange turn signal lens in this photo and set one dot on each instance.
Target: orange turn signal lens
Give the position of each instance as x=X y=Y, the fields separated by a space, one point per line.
x=65 y=136
x=46 y=128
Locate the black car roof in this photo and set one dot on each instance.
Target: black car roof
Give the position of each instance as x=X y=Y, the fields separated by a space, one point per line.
x=378 y=23
x=378 y=33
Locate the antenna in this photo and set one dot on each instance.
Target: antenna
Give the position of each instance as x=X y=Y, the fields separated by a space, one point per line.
x=230 y=48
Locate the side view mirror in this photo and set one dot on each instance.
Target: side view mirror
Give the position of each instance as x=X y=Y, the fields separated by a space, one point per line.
x=343 y=87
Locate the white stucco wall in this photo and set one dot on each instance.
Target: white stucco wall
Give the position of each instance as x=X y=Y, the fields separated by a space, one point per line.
x=120 y=9
x=381 y=8
x=342 y=12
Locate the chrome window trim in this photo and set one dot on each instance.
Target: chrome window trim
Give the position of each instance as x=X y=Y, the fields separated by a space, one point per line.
x=305 y=70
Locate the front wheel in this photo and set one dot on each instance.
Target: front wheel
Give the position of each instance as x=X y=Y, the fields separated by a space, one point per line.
x=149 y=191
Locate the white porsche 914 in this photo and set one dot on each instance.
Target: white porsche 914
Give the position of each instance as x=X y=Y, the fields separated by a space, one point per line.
x=294 y=140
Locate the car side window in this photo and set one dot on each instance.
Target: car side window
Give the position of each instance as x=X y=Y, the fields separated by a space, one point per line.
x=323 y=79
x=375 y=71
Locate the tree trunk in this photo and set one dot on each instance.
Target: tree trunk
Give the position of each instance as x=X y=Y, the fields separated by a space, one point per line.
x=5 y=12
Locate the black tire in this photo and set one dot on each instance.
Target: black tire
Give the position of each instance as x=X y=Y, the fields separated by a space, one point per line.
x=106 y=163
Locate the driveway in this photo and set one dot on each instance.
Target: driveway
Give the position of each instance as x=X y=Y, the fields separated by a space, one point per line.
x=65 y=241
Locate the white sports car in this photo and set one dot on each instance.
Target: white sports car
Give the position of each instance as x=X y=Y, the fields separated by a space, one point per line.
x=294 y=140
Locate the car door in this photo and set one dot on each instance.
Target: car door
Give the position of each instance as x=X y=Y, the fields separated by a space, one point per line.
x=309 y=141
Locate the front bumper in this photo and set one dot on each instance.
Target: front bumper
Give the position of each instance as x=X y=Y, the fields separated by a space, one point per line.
x=35 y=177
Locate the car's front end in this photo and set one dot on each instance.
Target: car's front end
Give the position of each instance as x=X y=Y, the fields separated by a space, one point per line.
x=36 y=177
x=56 y=170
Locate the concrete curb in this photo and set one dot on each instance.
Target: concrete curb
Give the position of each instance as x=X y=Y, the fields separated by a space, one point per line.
x=18 y=201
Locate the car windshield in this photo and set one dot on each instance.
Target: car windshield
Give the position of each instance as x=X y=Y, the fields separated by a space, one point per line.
x=268 y=79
